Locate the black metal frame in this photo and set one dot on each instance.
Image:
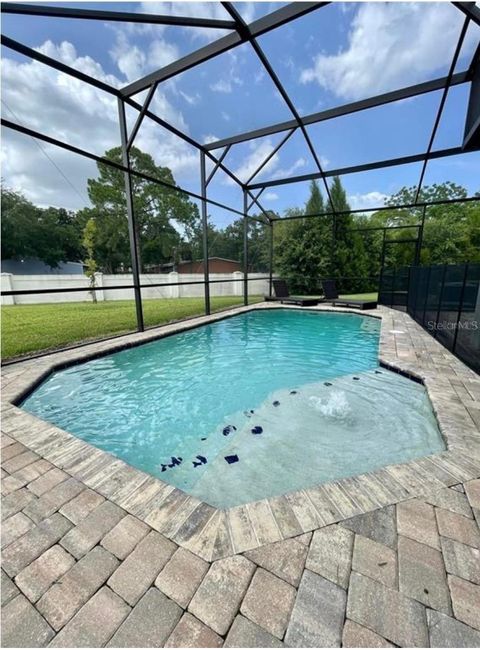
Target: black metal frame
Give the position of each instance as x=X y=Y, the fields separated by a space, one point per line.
x=240 y=33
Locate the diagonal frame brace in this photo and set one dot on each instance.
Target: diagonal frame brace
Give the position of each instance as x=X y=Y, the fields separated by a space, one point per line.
x=245 y=33
x=441 y=106
x=255 y=199
x=217 y=165
x=141 y=115
x=270 y=155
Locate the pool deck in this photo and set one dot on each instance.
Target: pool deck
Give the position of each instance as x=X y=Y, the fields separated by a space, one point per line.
x=96 y=552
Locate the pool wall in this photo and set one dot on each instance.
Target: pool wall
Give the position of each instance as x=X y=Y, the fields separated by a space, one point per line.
x=212 y=533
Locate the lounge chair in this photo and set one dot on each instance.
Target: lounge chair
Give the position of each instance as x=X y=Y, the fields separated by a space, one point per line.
x=282 y=295
x=331 y=295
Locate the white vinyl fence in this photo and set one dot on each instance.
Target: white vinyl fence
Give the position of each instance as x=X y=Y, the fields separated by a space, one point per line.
x=226 y=284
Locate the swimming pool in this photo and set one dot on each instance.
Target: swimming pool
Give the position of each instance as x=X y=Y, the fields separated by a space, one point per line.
x=248 y=407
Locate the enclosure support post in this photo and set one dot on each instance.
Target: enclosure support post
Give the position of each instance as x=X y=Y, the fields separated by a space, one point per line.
x=206 y=274
x=440 y=300
x=333 y=262
x=460 y=307
x=132 y=233
x=418 y=248
x=394 y=281
x=245 y=248
x=382 y=264
x=425 y=301
x=270 y=261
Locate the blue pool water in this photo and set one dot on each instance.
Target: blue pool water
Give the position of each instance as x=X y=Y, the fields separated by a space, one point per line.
x=291 y=398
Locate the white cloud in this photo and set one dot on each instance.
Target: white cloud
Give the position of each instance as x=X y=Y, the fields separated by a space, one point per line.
x=248 y=11
x=389 y=45
x=207 y=139
x=226 y=85
x=253 y=161
x=135 y=62
x=129 y=59
x=270 y=196
x=225 y=116
x=222 y=86
x=161 y=53
x=212 y=10
x=289 y=63
x=324 y=161
x=289 y=171
x=79 y=114
x=259 y=152
x=260 y=75
x=190 y=99
x=26 y=169
x=366 y=201
x=66 y=53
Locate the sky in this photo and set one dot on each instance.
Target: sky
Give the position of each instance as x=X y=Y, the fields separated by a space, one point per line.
x=341 y=53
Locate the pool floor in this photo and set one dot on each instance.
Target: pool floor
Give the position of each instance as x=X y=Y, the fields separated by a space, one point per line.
x=318 y=433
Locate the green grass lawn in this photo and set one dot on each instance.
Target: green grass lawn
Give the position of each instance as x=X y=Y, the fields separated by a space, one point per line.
x=31 y=328
x=361 y=296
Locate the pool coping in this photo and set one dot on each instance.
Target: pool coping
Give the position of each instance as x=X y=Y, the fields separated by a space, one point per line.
x=214 y=533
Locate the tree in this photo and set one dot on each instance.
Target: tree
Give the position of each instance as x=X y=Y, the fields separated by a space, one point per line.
x=258 y=243
x=89 y=235
x=349 y=258
x=51 y=235
x=314 y=205
x=161 y=213
x=228 y=243
x=304 y=245
x=451 y=231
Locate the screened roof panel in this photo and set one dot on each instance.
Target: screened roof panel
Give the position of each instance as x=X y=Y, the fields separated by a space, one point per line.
x=291 y=159
x=390 y=131
x=350 y=51
x=340 y=53
x=81 y=44
x=180 y=8
x=290 y=47
x=44 y=174
x=282 y=198
x=452 y=125
x=223 y=189
x=224 y=96
x=369 y=189
x=117 y=52
x=169 y=150
x=468 y=48
x=58 y=105
x=220 y=218
x=245 y=158
x=462 y=170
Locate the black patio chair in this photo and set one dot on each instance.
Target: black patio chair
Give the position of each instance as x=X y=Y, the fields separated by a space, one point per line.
x=330 y=293
x=282 y=295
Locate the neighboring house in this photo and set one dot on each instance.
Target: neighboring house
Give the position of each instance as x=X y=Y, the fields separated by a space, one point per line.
x=215 y=265
x=37 y=267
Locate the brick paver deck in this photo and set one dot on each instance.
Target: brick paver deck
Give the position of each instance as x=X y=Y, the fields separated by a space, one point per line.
x=95 y=555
